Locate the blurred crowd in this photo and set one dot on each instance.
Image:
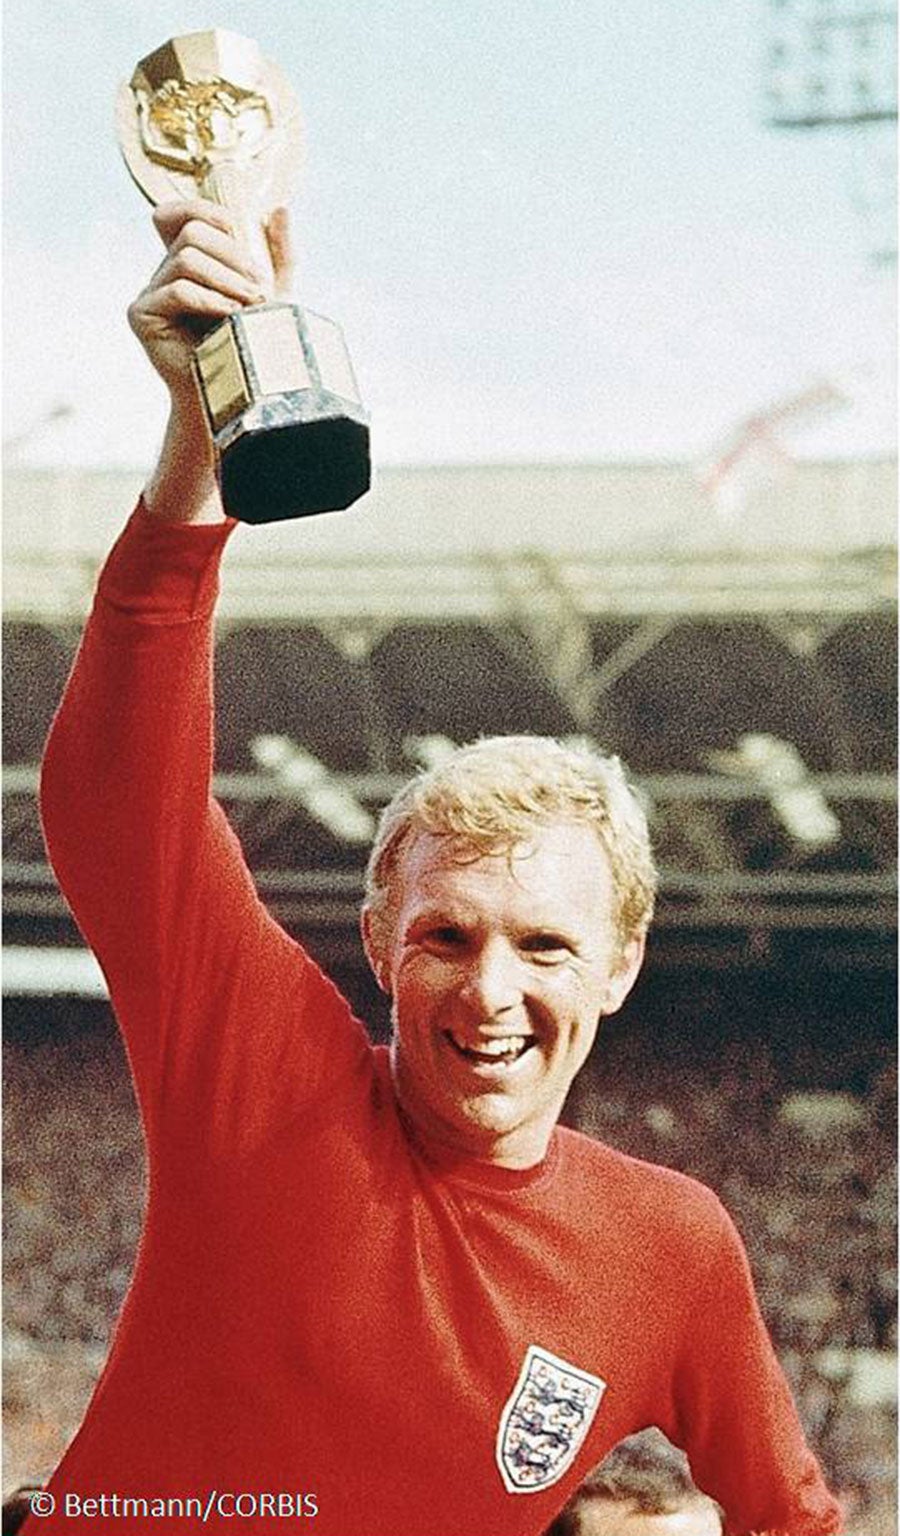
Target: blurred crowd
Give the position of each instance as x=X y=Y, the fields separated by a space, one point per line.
x=810 y=1180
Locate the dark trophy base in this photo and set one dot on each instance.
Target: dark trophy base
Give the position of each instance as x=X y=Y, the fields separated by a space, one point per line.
x=272 y=473
x=290 y=434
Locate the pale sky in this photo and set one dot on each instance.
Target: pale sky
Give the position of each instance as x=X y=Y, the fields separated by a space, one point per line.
x=550 y=231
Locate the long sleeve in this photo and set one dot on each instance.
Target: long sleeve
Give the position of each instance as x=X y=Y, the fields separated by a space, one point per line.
x=206 y=986
x=737 y=1419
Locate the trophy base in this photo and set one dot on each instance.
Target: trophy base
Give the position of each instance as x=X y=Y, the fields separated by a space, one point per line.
x=297 y=469
x=290 y=433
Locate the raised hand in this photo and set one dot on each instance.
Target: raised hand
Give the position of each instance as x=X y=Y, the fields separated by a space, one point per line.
x=204 y=276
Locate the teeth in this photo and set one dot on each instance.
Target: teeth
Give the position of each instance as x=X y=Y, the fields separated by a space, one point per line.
x=511 y=1045
x=506 y=1047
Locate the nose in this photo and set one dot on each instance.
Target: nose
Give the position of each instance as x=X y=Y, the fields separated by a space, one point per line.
x=493 y=981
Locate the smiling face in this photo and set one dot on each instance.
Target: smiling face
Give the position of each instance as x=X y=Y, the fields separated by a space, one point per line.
x=500 y=966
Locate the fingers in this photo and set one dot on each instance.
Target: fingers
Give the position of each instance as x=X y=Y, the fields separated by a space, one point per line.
x=171 y=217
x=186 y=289
x=196 y=225
x=205 y=275
x=186 y=227
x=219 y=269
x=178 y=303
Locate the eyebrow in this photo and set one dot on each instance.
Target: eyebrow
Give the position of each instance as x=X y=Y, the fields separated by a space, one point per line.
x=443 y=916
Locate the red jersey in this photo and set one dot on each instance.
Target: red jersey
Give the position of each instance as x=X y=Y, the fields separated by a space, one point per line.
x=321 y=1312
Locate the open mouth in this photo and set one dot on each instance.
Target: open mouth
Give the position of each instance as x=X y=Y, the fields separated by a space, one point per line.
x=492 y=1053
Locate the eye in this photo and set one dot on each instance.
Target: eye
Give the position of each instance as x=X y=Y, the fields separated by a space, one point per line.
x=444 y=936
x=546 y=947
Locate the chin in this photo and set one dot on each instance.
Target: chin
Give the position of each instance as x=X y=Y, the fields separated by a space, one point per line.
x=488 y=1112
x=489 y=1124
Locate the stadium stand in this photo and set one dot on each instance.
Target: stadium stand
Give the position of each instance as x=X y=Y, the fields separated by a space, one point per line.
x=36 y=661
x=260 y=670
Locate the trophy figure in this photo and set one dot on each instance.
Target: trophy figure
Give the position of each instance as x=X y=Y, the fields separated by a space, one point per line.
x=207 y=114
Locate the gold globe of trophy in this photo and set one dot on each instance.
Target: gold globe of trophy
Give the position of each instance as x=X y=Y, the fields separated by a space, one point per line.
x=207 y=114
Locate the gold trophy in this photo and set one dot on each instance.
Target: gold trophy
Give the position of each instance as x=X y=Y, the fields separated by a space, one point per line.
x=207 y=114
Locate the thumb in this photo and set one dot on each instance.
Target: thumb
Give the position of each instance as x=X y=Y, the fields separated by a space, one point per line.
x=278 y=239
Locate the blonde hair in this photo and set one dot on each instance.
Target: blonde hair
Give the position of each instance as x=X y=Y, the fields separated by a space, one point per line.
x=491 y=794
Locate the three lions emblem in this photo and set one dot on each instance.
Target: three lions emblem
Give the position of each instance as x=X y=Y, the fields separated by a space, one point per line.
x=545 y=1421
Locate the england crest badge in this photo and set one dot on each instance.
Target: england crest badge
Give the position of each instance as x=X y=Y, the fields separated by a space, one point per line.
x=545 y=1421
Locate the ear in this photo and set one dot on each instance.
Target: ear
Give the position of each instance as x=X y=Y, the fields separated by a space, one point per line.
x=625 y=975
x=374 y=951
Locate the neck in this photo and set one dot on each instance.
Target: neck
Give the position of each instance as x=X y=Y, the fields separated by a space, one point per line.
x=522 y=1147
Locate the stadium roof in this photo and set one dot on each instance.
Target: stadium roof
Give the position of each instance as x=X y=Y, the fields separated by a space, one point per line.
x=650 y=508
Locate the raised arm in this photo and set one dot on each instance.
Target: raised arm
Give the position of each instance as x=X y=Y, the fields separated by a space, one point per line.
x=205 y=984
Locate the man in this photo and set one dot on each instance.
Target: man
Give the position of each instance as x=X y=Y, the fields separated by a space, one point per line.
x=642 y=1488
x=382 y=1280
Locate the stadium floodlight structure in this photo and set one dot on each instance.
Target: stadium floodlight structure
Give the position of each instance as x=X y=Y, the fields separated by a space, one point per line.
x=832 y=64
x=301 y=776
x=777 y=767
x=429 y=751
